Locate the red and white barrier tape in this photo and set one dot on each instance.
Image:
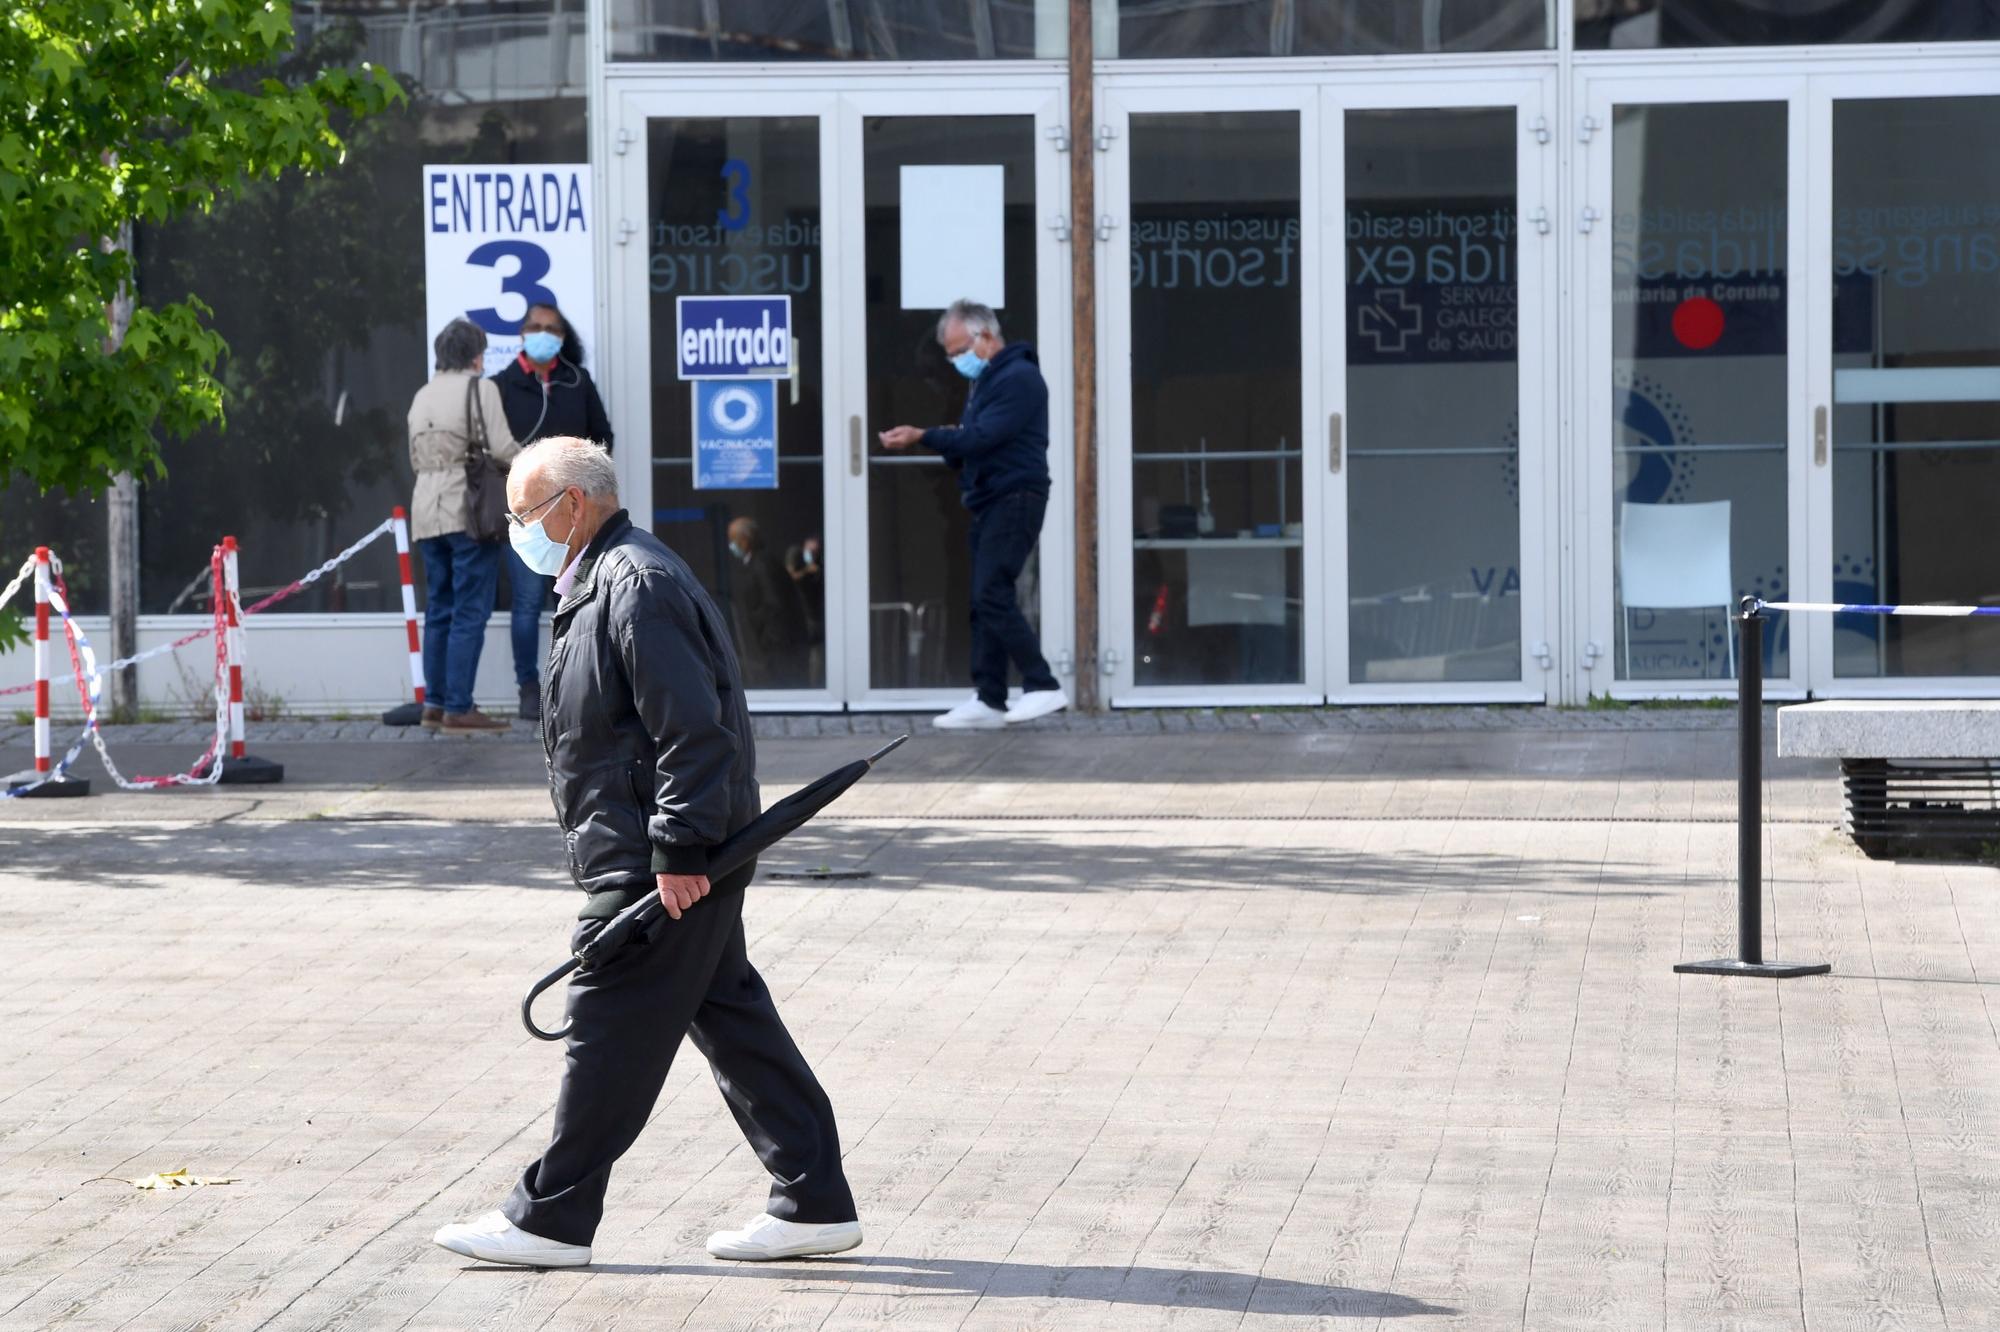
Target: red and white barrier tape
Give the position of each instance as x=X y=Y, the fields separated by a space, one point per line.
x=225 y=628
x=18 y=581
x=205 y=770
x=289 y=590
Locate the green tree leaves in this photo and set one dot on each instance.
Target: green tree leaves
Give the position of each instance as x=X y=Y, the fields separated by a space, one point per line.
x=115 y=112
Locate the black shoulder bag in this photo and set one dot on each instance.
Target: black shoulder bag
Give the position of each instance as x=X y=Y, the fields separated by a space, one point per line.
x=485 y=479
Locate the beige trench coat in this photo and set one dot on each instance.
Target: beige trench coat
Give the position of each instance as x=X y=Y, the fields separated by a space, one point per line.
x=440 y=436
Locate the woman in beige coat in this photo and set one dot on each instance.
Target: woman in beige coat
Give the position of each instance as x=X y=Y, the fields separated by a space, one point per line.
x=460 y=573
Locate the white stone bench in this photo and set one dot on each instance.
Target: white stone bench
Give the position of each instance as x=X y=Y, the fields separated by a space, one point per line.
x=1916 y=770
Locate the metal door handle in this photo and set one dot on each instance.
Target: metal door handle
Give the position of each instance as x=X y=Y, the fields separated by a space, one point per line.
x=854 y=445
x=1333 y=443
x=1819 y=436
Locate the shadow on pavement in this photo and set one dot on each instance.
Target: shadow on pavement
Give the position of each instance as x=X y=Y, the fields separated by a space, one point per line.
x=443 y=857
x=1160 y=1287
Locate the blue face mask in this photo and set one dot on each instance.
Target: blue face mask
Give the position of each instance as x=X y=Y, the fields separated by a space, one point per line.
x=967 y=363
x=537 y=549
x=541 y=346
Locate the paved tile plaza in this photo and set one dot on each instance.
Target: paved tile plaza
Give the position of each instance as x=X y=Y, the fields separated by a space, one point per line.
x=1341 y=1027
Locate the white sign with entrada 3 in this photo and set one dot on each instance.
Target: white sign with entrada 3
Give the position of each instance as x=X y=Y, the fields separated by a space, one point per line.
x=734 y=337
x=498 y=239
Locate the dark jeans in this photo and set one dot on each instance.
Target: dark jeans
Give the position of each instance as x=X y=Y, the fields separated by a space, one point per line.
x=460 y=577
x=686 y=976
x=1003 y=536
x=531 y=593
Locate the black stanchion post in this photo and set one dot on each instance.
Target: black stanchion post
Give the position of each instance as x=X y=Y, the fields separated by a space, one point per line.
x=1749 y=959
x=1750 y=786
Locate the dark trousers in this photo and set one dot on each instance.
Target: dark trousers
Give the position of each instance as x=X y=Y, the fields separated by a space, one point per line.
x=1003 y=536
x=460 y=575
x=691 y=976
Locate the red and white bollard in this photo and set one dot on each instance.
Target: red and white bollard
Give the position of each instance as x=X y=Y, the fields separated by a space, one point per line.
x=239 y=769
x=407 y=714
x=39 y=777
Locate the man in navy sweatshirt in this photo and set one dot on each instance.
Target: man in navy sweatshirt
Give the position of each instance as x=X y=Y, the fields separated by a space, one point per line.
x=1000 y=449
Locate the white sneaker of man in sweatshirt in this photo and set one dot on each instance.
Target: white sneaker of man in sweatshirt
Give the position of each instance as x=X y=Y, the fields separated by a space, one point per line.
x=1036 y=703
x=971 y=715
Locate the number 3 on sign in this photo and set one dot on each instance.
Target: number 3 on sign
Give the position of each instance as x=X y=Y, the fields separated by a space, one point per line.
x=531 y=266
x=737 y=215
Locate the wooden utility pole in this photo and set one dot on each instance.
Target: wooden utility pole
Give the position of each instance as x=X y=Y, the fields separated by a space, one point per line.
x=1083 y=343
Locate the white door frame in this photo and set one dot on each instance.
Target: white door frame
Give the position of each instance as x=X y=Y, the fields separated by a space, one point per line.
x=628 y=346
x=1321 y=98
x=638 y=94
x=1532 y=94
x=1116 y=105
x=1045 y=99
x=1972 y=76
x=1674 y=81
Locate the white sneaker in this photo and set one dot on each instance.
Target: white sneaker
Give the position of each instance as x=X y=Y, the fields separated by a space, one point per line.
x=767 y=1239
x=971 y=715
x=1038 y=703
x=494 y=1239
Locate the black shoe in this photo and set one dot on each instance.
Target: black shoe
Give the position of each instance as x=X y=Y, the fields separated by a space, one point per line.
x=531 y=703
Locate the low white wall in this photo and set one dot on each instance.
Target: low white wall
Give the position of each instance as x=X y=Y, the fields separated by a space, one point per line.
x=308 y=665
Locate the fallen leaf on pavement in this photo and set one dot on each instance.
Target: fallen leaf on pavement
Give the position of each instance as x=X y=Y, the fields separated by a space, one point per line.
x=177 y=1179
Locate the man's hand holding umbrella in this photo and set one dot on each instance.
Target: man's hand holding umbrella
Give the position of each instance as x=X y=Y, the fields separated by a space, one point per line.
x=678 y=892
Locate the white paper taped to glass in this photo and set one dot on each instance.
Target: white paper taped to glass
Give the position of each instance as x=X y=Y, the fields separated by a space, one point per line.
x=954 y=243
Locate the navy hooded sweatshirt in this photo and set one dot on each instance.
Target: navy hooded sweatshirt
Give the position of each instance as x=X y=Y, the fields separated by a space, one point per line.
x=1001 y=443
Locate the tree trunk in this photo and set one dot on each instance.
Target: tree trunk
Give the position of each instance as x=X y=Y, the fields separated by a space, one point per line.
x=122 y=518
x=122 y=513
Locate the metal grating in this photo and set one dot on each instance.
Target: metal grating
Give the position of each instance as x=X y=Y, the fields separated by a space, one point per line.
x=1922 y=804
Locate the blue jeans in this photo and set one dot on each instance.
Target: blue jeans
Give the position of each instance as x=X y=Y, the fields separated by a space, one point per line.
x=1003 y=536
x=461 y=576
x=531 y=593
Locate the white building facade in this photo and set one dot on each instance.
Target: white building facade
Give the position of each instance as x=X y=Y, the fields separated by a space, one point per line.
x=1480 y=351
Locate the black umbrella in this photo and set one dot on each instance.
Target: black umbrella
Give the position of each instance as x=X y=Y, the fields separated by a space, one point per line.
x=779 y=821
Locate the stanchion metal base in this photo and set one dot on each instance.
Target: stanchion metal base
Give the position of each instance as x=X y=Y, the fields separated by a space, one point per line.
x=62 y=788
x=250 y=771
x=404 y=714
x=1729 y=966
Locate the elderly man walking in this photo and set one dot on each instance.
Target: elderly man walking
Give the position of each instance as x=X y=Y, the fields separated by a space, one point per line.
x=651 y=763
x=1000 y=448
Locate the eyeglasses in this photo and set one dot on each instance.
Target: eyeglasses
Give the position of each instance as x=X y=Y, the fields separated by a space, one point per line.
x=521 y=520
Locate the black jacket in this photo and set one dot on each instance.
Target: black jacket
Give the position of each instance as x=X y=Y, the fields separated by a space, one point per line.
x=650 y=756
x=574 y=407
x=1001 y=443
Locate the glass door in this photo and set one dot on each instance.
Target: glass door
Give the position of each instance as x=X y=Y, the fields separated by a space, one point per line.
x=946 y=203
x=1208 y=291
x=729 y=194
x=1327 y=383
x=1436 y=436
x=1906 y=454
x=1692 y=393
x=846 y=575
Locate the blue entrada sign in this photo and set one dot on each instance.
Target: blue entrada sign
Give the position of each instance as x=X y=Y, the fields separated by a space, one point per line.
x=734 y=337
x=735 y=434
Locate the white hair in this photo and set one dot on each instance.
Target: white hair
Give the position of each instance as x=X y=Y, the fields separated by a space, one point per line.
x=567 y=461
x=975 y=317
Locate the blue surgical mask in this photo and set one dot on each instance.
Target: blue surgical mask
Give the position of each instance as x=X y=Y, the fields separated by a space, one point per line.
x=541 y=346
x=967 y=363
x=537 y=549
